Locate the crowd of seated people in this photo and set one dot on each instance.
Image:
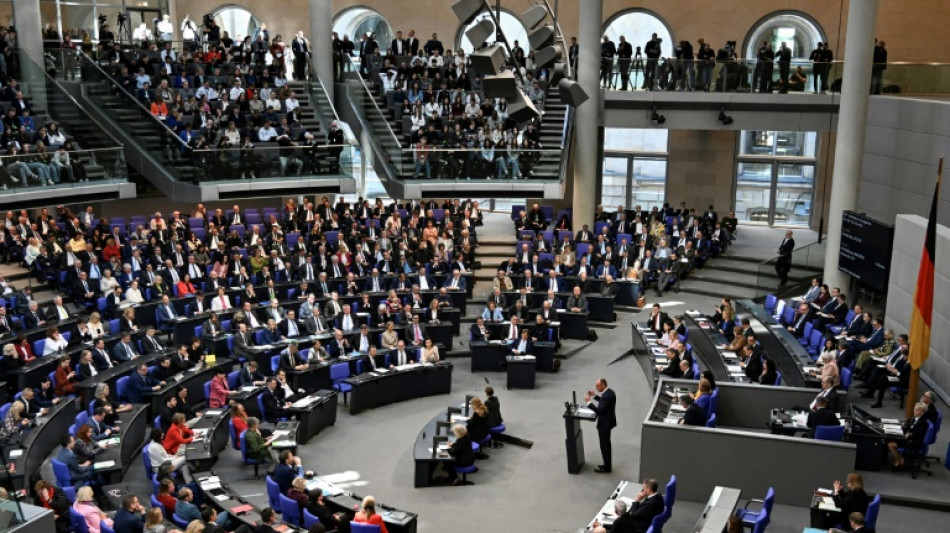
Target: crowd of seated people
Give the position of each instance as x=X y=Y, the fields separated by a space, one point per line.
x=231 y=95
x=657 y=248
x=454 y=130
x=319 y=249
x=37 y=152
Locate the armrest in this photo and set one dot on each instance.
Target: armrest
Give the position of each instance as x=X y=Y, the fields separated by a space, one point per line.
x=760 y=502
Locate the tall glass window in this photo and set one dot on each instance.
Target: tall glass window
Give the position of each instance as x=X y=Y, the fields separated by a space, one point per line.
x=634 y=167
x=357 y=21
x=775 y=177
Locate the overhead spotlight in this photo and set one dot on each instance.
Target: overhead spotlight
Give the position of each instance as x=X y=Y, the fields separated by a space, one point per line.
x=541 y=37
x=465 y=10
x=481 y=32
x=724 y=119
x=657 y=118
x=534 y=16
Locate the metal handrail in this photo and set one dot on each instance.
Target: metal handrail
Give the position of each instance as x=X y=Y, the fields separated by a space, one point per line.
x=64 y=92
x=370 y=93
x=111 y=80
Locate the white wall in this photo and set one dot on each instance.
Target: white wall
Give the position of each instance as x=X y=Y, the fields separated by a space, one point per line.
x=905 y=140
x=905 y=263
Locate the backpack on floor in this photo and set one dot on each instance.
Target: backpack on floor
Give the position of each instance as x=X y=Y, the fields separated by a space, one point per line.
x=591 y=334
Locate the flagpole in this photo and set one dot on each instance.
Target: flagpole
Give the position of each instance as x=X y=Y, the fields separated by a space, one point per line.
x=912 y=386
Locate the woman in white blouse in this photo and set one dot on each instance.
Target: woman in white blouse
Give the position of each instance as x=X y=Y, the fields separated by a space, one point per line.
x=134 y=295
x=107 y=284
x=54 y=342
x=418 y=119
x=32 y=251
x=430 y=353
x=96 y=328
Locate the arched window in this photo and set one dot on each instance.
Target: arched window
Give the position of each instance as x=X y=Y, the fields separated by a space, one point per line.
x=237 y=21
x=799 y=31
x=638 y=27
x=511 y=28
x=357 y=21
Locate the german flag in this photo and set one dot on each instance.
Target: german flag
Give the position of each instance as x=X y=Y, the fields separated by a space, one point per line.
x=924 y=294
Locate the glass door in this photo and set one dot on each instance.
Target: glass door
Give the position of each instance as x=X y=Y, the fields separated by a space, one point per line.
x=754 y=192
x=614 y=191
x=794 y=186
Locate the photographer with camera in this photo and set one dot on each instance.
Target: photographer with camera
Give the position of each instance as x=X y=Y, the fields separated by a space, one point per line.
x=189 y=34
x=653 y=52
x=165 y=28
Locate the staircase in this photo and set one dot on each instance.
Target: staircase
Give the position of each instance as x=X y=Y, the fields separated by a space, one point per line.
x=389 y=139
x=87 y=136
x=739 y=277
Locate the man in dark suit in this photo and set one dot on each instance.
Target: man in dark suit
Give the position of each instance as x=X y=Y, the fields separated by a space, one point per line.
x=140 y=384
x=657 y=319
x=576 y=302
x=784 y=263
x=899 y=370
x=478 y=331
x=288 y=468
x=695 y=415
x=821 y=416
x=833 y=312
x=646 y=505
x=801 y=318
x=250 y=375
x=606 y=419
x=273 y=407
x=828 y=392
x=180 y=361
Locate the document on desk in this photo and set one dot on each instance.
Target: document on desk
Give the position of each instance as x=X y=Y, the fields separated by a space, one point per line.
x=734 y=369
x=283 y=444
x=659 y=350
x=584 y=411
x=890 y=421
x=693 y=312
x=112 y=441
x=211 y=484
x=249 y=388
x=102 y=465
x=281 y=433
x=459 y=418
x=15 y=453
x=893 y=429
x=304 y=402
x=213 y=412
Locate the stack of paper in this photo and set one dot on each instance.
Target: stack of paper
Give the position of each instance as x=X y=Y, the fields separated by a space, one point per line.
x=102 y=465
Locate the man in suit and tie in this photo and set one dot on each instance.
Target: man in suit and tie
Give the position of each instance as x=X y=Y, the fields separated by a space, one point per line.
x=915 y=430
x=250 y=375
x=34 y=317
x=180 y=361
x=456 y=282
x=834 y=311
x=289 y=327
x=124 y=350
x=813 y=291
x=339 y=346
x=141 y=384
x=784 y=262
x=150 y=343
x=551 y=283
x=86 y=291
x=401 y=356
x=605 y=408
x=80 y=473
x=290 y=358
x=242 y=341
x=657 y=319
x=820 y=416
x=577 y=302
x=647 y=504
x=899 y=371
x=828 y=392
x=802 y=317
x=398 y=45
x=870 y=342
x=478 y=330
x=274 y=408
x=166 y=314
x=101 y=430
x=523 y=345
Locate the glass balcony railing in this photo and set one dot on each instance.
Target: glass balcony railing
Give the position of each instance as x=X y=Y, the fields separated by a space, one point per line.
x=749 y=75
x=269 y=162
x=465 y=164
x=61 y=169
x=811 y=256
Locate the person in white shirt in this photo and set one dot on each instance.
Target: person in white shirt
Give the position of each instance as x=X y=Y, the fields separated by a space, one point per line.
x=107 y=284
x=206 y=91
x=291 y=102
x=267 y=132
x=272 y=102
x=134 y=294
x=165 y=28
x=157 y=454
x=221 y=302
x=54 y=342
x=236 y=90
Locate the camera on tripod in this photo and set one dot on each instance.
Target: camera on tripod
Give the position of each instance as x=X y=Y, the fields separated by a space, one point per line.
x=121 y=18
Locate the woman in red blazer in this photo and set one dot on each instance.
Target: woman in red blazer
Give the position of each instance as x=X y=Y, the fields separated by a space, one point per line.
x=24 y=351
x=185 y=286
x=178 y=434
x=220 y=393
x=65 y=378
x=367 y=515
x=239 y=419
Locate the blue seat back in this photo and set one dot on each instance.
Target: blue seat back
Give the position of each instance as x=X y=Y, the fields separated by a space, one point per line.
x=832 y=433
x=714 y=402
x=671 y=492
x=233 y=379
x=260 y=406
x=339 y=372
x=61 y=471
x=356 y=527
x=778 y=378
x=770 y=301
x=207 y=389
x=120 y=386
x=179 y=521
x=146 y=462
x=274 y=363
x=81 y=418
x=788 y=315
x=158 y=504
x=78 y=521
x=309 y=520
x=711 y=422
x=870 y=517
x=809 y=327
x=157 y=422
x=290 y=510
x=233 y=434
x=846 y=378
x=761 y=521
x=273 y=493
x=4 y=409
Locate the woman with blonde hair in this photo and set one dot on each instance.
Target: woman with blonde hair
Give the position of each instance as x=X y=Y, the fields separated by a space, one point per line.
x=477 y=426
x=96 y=327
x=87 y=508
x=14 y=422
x=704 y=395
x=196 y=526
x=154 y=521
x=367 y=514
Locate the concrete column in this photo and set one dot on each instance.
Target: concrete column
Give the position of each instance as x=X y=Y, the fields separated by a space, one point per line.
x=26 y=15
x=852 y=127
x=321 y=46
x=586 y=162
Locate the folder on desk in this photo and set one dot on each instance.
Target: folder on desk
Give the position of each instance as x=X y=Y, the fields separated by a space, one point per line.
x=15 y=453
x=102 y=465
x=238 y=509
x=213 y=412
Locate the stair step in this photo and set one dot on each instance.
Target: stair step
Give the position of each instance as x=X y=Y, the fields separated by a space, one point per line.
x=715 y=289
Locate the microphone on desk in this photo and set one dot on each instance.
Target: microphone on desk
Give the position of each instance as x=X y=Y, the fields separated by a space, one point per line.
x=574 y=397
